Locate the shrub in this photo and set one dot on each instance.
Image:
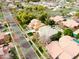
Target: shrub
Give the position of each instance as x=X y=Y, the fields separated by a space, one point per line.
x=68 y=31
x=13 y=53
x=56 y=37
x=49 y=22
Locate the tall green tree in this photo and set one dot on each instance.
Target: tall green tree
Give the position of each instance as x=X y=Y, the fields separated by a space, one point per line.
x=68 y=31
x=49 y=22
x=43 y=17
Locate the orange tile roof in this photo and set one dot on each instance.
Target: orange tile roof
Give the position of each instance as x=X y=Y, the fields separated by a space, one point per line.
x=70 y=23
x=66 y=48
x=57 y=18
x=65 y=55
x=54 y=49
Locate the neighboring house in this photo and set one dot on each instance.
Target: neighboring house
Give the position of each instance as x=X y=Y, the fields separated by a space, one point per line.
x=57 y=18
x=54 y=49
x=65 y=56
x=70 y=24
x=45 y=32
x=65 y=40
x=35 y=24
x=69 y=46
x=66 y=48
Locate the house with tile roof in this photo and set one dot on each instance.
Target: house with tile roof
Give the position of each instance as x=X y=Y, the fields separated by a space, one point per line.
x=70 y=24
x=65 y=48
x=35 y=24
x=46 y=32
x=57 y=18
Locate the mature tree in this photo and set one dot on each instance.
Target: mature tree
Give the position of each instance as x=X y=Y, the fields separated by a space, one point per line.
x=27 y=14
x=56 y=37
x=24 y=17
x=30 y=17
x=40 y=7
x=49 y=22
x=68 y=31
x=29 y=8
x=35 y=8
x=43 y=17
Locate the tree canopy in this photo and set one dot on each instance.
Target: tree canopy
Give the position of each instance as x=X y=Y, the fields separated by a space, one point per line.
x=30 y=12
x=68 y=31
